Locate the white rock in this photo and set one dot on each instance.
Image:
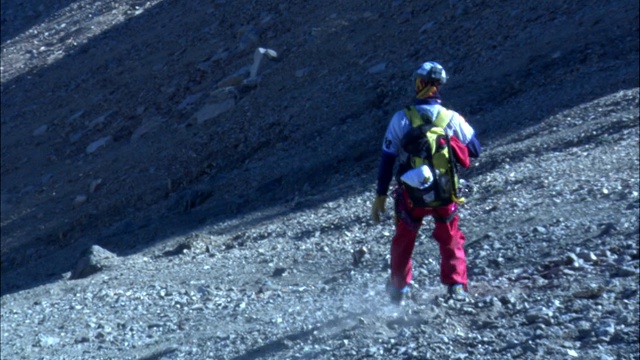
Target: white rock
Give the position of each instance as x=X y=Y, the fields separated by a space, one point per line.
x=257 y=58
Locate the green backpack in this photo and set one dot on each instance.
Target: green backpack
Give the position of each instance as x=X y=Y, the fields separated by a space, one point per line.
x=428 y=144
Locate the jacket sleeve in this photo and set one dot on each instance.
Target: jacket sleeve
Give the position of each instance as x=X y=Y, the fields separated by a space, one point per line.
x=459 y=128
x=385 y=172
x=474 y=147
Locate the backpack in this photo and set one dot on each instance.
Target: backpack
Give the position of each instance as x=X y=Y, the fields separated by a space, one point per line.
x=428 y=145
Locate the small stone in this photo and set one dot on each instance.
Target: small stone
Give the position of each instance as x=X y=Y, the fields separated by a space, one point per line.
x=540 y=230
x=495 y=302
x=529 y=347
x=377 y=68
x=624 y=271
x=98 y=144
x=279 y=271
x=587 y=256
x=605 y=330
x=539 y=315
x=82 y=339
x=148 y=125
x=571 y=259
x=45 y=340
x=358 y=255
x=585 y=330
x=426 y=27
x=100 y=119
x=507 y=299
x=74 y=117
x=94 y=185
x=303 y=72
x=41 y=130
x=189 y=101
x=75 y=137
x=591 y=293
x=79 y=200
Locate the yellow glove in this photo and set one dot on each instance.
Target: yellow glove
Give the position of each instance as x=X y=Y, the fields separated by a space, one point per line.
x=378 y=208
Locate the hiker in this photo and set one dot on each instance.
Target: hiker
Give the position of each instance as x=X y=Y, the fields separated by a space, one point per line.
x=428 y=80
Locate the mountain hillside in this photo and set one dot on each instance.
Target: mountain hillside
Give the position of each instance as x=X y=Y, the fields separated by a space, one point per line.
x=226 y=202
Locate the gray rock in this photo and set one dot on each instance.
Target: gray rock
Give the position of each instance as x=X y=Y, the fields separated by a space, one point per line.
x=47 y=340
x=587 y=256
x=93 y=260
x=584 y=330
x=624 y=271
x=572 y=259
x=605 y=330
x=539 y=315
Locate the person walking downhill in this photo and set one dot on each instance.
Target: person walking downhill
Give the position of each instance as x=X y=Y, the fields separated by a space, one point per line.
x=409 y=208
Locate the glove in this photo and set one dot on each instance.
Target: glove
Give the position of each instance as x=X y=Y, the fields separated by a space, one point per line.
x=378 y=208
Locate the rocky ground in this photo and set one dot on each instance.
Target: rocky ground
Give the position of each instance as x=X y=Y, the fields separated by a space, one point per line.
x=225 y=209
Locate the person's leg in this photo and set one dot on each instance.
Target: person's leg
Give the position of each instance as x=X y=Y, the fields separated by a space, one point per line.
x=453 y=262
x=402 y=246
x=408 y=221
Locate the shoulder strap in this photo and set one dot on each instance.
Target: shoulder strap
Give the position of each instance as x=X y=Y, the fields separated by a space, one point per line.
x=412 y=114
x=416 y=120
x=443 y=118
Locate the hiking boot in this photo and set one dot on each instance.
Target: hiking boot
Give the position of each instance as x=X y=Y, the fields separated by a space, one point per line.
x=397 y=296
x=458 y=293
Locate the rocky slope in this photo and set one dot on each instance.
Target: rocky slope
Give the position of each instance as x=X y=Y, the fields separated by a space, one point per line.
x=228 y=212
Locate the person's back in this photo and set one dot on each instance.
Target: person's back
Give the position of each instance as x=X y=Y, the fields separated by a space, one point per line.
x=430 y=168
x=427 y=79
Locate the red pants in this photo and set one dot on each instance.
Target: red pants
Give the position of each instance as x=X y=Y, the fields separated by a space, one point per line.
x=453 y=263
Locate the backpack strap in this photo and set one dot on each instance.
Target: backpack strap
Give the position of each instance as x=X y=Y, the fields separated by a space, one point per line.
x=416 y=120
x=443 y=118
x=412 y=114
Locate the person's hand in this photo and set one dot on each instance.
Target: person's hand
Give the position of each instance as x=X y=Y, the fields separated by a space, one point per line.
x=378 y=208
